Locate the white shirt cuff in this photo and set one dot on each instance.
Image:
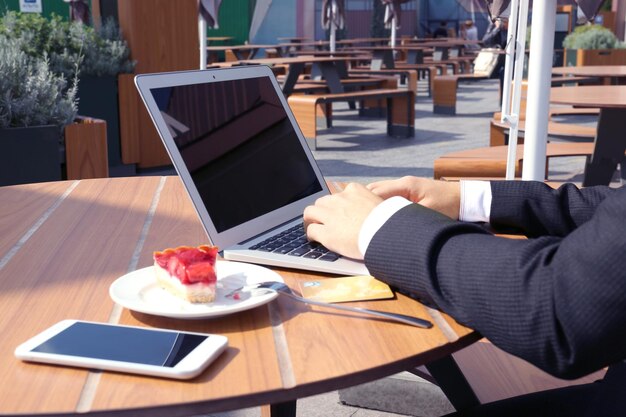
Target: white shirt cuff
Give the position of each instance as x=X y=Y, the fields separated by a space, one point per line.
x=377 y=218
x=475 y=201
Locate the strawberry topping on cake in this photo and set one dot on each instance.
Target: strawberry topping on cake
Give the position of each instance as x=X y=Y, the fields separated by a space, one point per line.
x=188 y=272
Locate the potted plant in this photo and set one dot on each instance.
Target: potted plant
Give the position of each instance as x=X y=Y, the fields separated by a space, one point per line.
x=593 y=45
x=101 y=54
x=36 y=106
x=33 y=110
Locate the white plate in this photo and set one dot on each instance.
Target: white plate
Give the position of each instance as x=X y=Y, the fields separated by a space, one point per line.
x=139 y=291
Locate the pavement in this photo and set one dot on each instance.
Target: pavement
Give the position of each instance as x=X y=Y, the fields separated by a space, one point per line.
x=357 y=149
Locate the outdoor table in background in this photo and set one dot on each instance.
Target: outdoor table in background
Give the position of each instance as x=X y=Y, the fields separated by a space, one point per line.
x=612 y=74
x=63 y=245
x=239 y=51
x=223 y=39
x=331 y=69
x=610 y=141
x=290 y=48
x=294 y=39
x=359 y=41
x=383 y=56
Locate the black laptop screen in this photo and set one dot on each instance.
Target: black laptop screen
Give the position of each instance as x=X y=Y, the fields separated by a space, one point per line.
x=239 y=146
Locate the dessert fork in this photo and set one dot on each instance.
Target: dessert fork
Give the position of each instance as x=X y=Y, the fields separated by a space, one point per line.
x=282 y=288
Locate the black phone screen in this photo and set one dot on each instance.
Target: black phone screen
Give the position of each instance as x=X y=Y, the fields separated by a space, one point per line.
x=119 y=343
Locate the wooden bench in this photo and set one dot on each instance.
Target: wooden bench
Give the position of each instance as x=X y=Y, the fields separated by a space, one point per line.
x=445 y=88
x=491 y=161
x=399 y=103
x=424 y=72
x=408 y=76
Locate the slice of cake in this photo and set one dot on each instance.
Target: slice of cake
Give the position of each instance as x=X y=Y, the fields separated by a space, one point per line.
x=188 y=272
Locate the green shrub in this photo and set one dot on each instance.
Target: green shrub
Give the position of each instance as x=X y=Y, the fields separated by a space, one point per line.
x=591 y=37
x=30 y=93
x=104 y=51
x=68 y=44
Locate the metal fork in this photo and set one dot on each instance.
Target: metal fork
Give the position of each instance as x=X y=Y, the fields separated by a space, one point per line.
x=282 y=288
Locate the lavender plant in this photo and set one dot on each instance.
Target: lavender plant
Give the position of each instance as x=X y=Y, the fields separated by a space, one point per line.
x=30 y=93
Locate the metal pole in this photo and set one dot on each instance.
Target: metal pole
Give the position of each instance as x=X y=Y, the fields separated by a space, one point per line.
x=202 y=39
x=539 y=82
x=514 y=58
x=508 y=63
x=333 y=35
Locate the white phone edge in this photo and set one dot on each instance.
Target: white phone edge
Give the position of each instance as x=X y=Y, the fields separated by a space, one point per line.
x=189 y=367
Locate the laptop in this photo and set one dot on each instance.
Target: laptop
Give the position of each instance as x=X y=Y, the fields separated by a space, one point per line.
x=244 y=163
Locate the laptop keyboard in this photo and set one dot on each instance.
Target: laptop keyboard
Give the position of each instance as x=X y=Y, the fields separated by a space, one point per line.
x=293 y=242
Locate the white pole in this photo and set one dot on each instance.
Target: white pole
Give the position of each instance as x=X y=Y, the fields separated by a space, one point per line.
x=393 y=32
x=508 y=63
x=511 y=101
x=202 y=38
x=539 y=82
x=333 y=28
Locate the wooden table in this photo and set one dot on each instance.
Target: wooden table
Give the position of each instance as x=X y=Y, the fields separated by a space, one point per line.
x=239 y=51
x=64 y=243
x=610 y=141
x=613 y=74
x=295 y=39
x=211 y=39
x=383 y=56
x=330 y=68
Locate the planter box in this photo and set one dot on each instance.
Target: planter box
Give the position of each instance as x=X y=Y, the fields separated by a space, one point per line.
x=98 y=97
x=30 y=154
x=581 y=57
x=86 y=149
x=38 y=153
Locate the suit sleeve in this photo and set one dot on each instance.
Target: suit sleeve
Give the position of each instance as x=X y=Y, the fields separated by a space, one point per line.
x=537 y=209
x=557 y=302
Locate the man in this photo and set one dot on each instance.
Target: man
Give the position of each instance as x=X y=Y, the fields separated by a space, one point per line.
x=496 y=37
x=557 y=299
x=496 y=34
x=442 y=30
x=470 y=33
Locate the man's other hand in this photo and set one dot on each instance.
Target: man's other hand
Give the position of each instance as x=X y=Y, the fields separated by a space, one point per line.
x=442 y=196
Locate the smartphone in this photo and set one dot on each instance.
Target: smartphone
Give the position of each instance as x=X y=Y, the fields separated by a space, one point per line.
x=147 y=351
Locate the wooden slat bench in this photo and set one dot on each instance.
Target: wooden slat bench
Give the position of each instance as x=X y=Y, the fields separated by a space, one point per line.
x=445 y=88
x=491 y=161
x=424 y=72
x=400 y=105
x=409 y=75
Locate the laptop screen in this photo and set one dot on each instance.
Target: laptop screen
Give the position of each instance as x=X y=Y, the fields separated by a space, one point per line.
x=239 y=146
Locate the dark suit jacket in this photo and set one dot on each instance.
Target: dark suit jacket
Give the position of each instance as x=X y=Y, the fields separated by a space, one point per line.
x=557 y=300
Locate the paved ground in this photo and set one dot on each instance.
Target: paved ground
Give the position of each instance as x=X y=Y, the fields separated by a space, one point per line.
x=357 y=149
